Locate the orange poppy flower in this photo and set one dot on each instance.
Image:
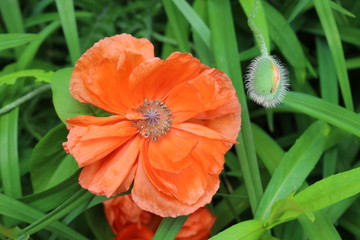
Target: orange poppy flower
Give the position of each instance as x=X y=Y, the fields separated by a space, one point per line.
x=129 y=222
x=172 y=122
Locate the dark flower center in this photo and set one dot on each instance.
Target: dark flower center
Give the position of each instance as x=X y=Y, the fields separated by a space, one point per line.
x=156 y=121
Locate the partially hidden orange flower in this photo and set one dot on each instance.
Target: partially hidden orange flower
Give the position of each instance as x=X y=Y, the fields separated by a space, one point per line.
x=172 y=122
x=128 y=221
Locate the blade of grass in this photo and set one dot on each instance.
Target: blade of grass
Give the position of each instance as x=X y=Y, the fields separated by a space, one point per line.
x=320 y=109
x=169 y=228
x=271 y=154
x=332 y=35
x=9 y=162
x=224 y=46
x=321 y=228
x=11 y=14
x=30 y=95
x=301 y=6
x=203 y=51
x=178 y=25
x=81 y=196
x=295 y=166
x=329 y=92
x=29 y=52
x=50 y=17
x=327 y=74
x=194 y=20
x=247 y=230
x=353 y=63
x=18 y=210
x=12 y=40
x=267 y=149
x=68 y=22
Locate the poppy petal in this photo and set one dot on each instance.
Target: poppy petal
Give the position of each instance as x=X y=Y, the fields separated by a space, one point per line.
x=202 y=131
x=105 y=177
x=149 y=198
x=91 y=143
x=135 y=232
x=170 y=152
x=101 y=74
x=154 y=78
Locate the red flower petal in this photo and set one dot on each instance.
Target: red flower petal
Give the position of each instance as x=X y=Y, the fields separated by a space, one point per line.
x=149 y=198
x=91 y=143
x=100 y=76
x=111 y=175
x=154 y=78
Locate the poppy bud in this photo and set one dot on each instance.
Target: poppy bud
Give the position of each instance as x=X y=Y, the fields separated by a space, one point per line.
x=266 y=81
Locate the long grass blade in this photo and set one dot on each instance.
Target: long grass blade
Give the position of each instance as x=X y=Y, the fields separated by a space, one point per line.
x=224 y=46
x=12 y=40
x=320 y=109
x=295 y=166
x=68 y=22
x=332 y=35
x=195 y=21
x=178 y=25
x=169 y=227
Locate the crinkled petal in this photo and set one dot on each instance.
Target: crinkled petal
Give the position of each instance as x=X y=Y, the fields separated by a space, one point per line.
x=205 y=97
x=101 y=75
x=85 y=120
x=151 y=199
x=171 y=151
x=105 y=177
x=202 y=131
x=91 y=143
x=154 y=78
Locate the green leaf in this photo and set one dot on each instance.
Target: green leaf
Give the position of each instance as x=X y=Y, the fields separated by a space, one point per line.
x=68 y=22
x=340 y=9
x=27 y=56
x=195 y=21
x=291 y=207
x=52 y=197
x=15 y=209
x=330 y=190
x=320 y=109
x=169 y=228
x=97 y=223
x=326 y=192
x=332 y=35
x=247 y=230
x=80 y=197
x=327 y=73
x=268 y=150
x=49 y=164
x=178 y=25
x=224 y=46
x=65 y=105
x=38 y=74
x=295 y=166
x=11 y=15
x=9 y=159
x=16 y=39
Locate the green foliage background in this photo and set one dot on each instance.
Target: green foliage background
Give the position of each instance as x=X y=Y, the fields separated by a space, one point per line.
x=283 y=169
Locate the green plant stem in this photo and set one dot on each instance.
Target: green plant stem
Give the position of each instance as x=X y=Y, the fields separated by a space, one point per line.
x=7 y=108
x=78 y=198
x=226 y=55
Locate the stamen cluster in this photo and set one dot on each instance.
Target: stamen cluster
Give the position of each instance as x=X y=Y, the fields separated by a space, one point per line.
x=157 y=119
